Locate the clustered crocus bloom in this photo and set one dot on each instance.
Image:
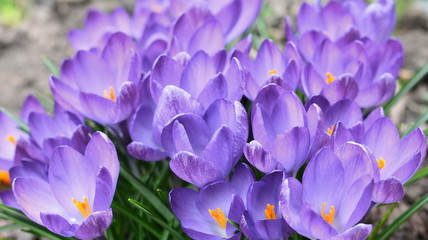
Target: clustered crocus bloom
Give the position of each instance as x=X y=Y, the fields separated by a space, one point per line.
x=162 y=82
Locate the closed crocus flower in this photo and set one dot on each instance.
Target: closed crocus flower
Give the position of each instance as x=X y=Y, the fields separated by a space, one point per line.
x=282 y=137
x=101 y=86
x=334 y=195
x=204 y=214
x=262 y=218
x=341 y=20
x=270 y=66
x=234 y=16
x=75 y=199
x=204 y=145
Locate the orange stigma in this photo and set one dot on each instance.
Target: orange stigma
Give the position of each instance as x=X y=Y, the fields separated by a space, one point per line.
x=11 y=139
x=219 y=217
x=330 y=78
x=270 y=214
x=330 y=216
x=110 y=94
x=380 y=163
x=273 y=72
x=330 y=130
x=4 y=177
x=83 y=207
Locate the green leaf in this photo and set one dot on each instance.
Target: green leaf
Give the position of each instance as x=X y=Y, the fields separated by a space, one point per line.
x=418 y=175
x=51 y=66
x=46 y=101
x=156 y=219
x=20 y=219
x=407 y=87
x=421 y=120
x=136 y=218
x=234 y=224
x=22 y=125
x=382 y=222
x=402 y=218
x=9 y=227
x=149 y=195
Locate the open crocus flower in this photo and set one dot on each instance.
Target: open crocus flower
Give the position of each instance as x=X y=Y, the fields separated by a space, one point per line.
x=395 y=161
x=335 y=71
x=262 y=218
x=282 y=135
x=203 y=215
x=75 y=200
x=271 y=66
x=101 y=86
x=334 y=195
x=204 y=145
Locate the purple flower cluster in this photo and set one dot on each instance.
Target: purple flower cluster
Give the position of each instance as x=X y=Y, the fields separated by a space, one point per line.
x=163 y=82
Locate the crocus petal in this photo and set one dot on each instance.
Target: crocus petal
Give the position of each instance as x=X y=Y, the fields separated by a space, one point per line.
x=377 y=93
x=57 y=224
x=30 y=105
x=260 y=158
x=102 y=152
x=183 y=203
x=242 y=178
x=214 y=89
x=173 y=101
x=296 y=144
x=316 y=225
x=35 y=196
x=358 y=232
x=68 y=169
x=219 y=150
x=383 y=139
x=210 y=32
x=343 y=88
x=249 y=12
x=291 y=204
x=104 y=190
x=146 y=153
x=388 y=191
x=194 y=169
x=373 y=116
x=95 y=225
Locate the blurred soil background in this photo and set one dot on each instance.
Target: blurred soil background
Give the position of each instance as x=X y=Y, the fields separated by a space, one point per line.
x=30 y=29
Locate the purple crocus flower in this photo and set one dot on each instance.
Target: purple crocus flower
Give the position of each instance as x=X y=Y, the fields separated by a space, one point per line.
x=262 y=219
x=206 y=78
x=271 y=66
x=282 y=133
x=75 y=200
x=233 y=16
x=203 y=215
x=341 y=20
x=334 y=72
x=101 y=86
x=395 y=161
x=334 y=195
x=204 y=145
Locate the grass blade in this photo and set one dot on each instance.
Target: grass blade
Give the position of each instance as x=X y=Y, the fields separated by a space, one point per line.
x=23 y=126
x=407 y=87
x=149 y=195
x=156 y=219
x=20 y=219
x=382 y=222
x=421 y=120
x=51 y=66
x=418 y=175
x=403 y=217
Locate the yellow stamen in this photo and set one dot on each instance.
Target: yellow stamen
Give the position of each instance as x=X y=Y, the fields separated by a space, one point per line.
x=330 y=216
x=110 y=94
x=4 y=177
x=83 y=207
x=330 y=78
x=11 y=139
x=270 y=214
x=219 y=217
x=330 y=130
x=273 y=72
x=380 y=163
